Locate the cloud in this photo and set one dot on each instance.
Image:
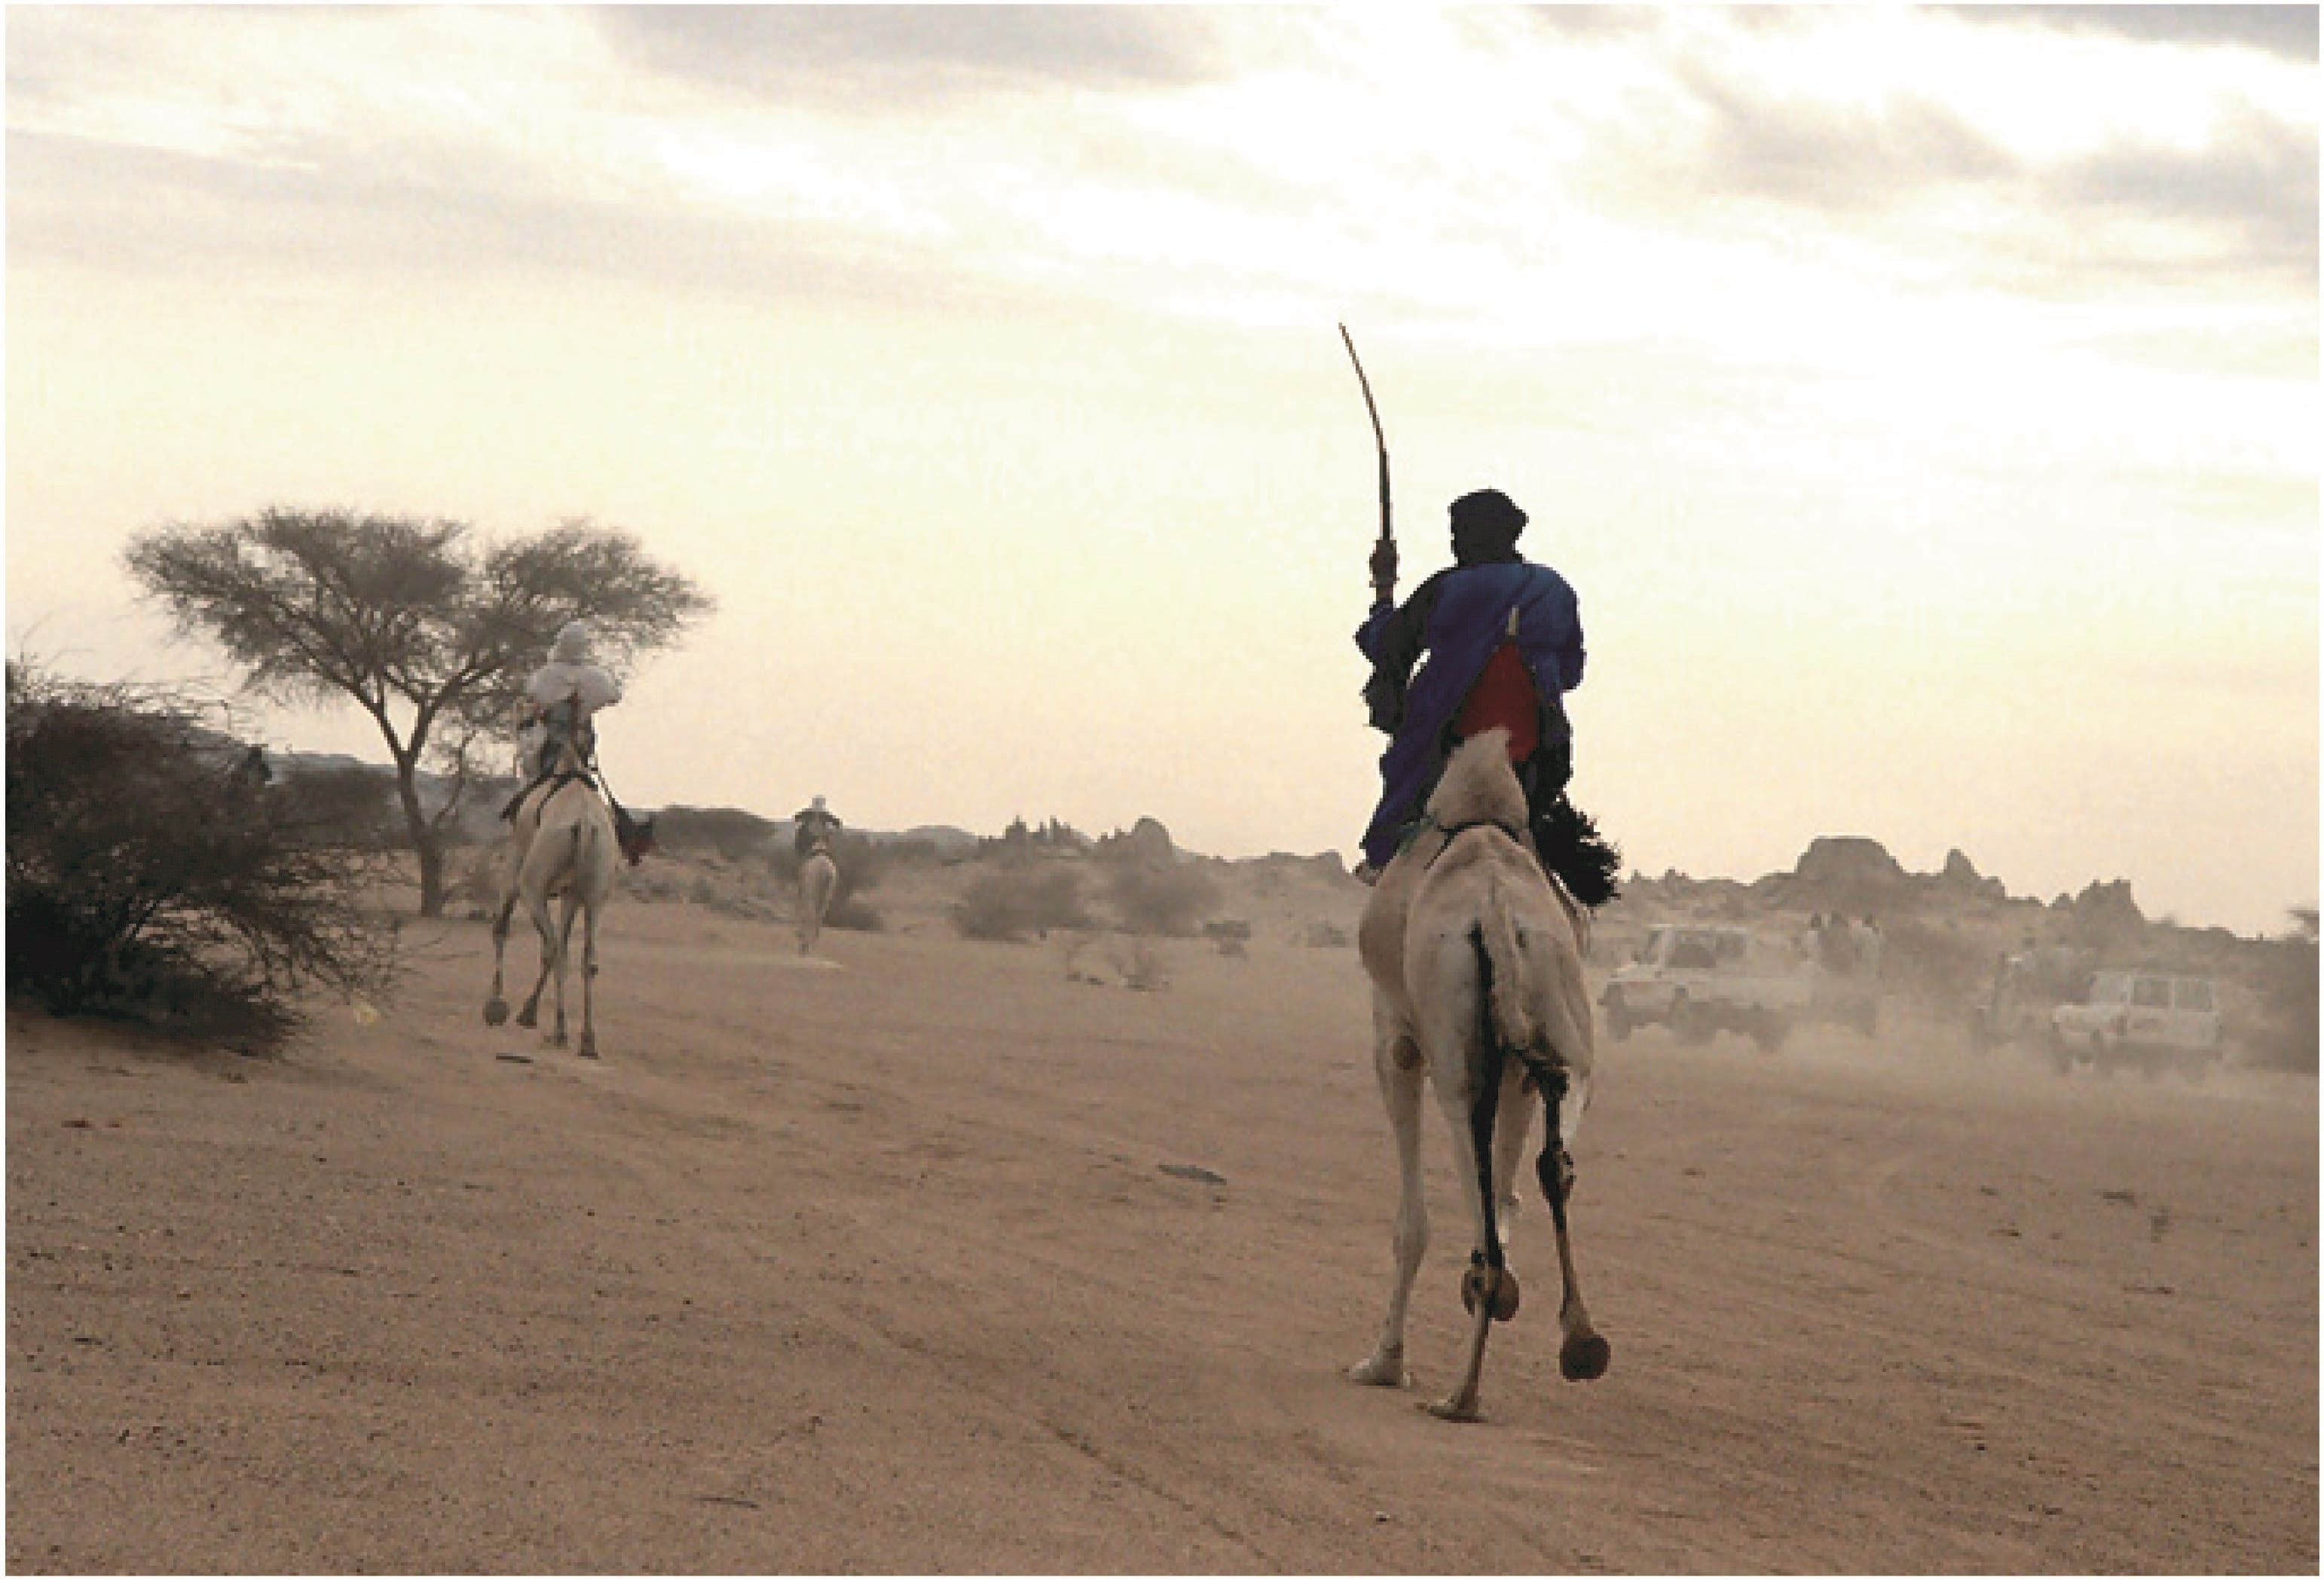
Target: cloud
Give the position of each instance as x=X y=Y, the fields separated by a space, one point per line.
x=2288 y=32
x=910 y=53
x=110 y=207
x=1590 y=22
x=1838 y=159
x=1912 y=170
x=2254 y=187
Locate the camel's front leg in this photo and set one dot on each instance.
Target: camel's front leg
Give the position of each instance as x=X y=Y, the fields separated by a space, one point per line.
x=537 y=907
x=1396 y=1061
x=496 y=1005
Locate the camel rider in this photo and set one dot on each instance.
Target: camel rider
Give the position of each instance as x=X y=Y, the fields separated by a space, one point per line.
x=561 y=698
x=812 y=823
x=1503 y=638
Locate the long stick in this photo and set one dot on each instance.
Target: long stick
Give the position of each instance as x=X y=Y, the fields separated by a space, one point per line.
x=1386 y=534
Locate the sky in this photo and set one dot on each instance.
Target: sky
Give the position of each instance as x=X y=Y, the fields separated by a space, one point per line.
x=1923 y=400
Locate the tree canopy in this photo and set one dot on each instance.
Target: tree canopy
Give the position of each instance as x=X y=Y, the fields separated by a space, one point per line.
x=429 y=628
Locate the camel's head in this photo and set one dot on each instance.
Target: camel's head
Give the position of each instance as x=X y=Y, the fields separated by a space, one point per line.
x=1480 y=785
x=636 y=837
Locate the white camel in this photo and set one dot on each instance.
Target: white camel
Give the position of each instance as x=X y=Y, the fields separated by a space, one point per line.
x=561 y=841
x=818 y=879
x=1475 y=958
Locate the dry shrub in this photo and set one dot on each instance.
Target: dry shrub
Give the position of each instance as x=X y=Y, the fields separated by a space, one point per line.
x=1231 y=938
x=150 y=874
x=850 y=915
x=1170 y=901
x=1006 y=906
x=475 y=887
x=2286 y=1038
x=1936 y=963
x=727 y=831
x=1141 y=966
x=341 y=805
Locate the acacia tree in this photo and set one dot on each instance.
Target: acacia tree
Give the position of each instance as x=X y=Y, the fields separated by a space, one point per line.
x=429 y=630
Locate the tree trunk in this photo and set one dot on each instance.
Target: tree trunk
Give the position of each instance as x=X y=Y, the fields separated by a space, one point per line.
x=427 y=842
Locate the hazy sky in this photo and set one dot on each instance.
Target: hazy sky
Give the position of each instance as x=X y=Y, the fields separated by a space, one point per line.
x=1923 y=401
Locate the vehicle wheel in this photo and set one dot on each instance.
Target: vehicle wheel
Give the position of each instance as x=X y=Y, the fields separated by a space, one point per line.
x=1694 y=1022
x=1770 y=1032
x=1618 y=1022
x=2104 y=1052
x=2062 y=1057
x=1867 y=1020
x=2196 y=1068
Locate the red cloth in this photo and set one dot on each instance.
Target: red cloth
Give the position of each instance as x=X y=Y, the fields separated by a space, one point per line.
x=1503 y=698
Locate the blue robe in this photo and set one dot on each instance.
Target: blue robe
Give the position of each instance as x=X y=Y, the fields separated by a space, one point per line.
x=1458 y=617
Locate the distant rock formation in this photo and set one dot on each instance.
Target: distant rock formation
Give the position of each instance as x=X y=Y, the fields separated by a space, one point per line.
x=1146 y=844
x=2104 y=913
x=1849 y=859
x=1962 y=878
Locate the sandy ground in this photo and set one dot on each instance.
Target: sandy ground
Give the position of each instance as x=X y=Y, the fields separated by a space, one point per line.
x=876 y=1265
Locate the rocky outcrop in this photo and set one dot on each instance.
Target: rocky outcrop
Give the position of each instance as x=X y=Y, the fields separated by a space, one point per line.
x=1960 y=879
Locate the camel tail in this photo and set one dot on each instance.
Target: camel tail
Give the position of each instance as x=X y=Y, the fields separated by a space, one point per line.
x=1501 y=965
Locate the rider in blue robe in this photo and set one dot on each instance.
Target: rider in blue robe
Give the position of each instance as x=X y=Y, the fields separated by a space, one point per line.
x=1462 y=618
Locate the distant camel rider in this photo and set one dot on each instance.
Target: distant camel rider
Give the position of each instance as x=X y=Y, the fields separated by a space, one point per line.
x=561 y=699
x=1503 y=640
x=812 y=823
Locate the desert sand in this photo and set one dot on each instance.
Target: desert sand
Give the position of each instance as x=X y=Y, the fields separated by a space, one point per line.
x=932 y=1255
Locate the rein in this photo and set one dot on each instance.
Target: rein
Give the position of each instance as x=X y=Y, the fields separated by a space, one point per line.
x=1454 y=831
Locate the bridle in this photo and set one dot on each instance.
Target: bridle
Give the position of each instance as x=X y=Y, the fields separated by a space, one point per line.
x=1454 y=831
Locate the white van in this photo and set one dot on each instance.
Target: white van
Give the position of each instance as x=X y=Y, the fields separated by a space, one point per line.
x=2146 y=1020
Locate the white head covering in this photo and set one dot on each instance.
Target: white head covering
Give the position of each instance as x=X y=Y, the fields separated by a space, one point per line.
x=818 y=803
x=572 y=642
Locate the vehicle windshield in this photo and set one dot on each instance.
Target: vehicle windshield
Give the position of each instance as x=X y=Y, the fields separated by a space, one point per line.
x=1693 y=951
x=2110 y=988
x=2195 y=993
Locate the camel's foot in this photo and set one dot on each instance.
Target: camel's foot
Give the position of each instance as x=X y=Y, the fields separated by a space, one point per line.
x=588 y=1049
x=556 y=1039
x=1385 y=1369
x=1584 y=1357
x=496 y=1010
x=529 y=1016
x=1478 y=1279
x=1455 y=1409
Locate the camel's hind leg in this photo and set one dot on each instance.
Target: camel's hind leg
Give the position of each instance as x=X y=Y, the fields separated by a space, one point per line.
x=564 y=954
x=588 y=1049
x=1473 y=1086
x=1510 y=1136
x=1584 y=1355
x=1487 y=1287
x=1398 y=1062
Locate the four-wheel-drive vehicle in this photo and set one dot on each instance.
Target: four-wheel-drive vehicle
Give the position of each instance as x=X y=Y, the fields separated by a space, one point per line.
x=2150 y=1021
x=1701 y=981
